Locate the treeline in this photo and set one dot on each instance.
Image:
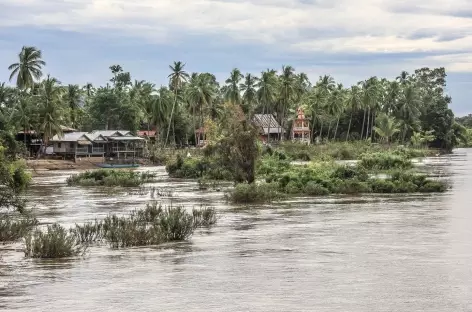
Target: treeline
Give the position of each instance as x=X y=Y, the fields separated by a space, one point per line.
x=411 y=108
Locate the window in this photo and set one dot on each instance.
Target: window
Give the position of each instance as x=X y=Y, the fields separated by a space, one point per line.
x=59 y=145
x=71 y=144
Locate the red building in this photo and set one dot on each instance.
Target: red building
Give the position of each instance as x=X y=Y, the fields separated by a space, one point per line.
x=301 y=128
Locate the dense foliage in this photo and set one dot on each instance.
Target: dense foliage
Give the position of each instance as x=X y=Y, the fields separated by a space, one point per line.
x=412 y=106
x=106 y=177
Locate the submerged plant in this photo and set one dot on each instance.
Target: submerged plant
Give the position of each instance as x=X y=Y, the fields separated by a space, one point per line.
x=12 y=229
x=106 y=177
x=55 y=242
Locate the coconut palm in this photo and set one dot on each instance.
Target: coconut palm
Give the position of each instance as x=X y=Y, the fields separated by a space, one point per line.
x=386 y=127
x=23 y=114
x=162 y=102
x=287 y=92
x=28 y=69
x=176 y=79
x=50 y=109
x=353 y=103
x=89 y=89
x=73 y=96
x=267 y=92
x=233 y=93
x=249 y=99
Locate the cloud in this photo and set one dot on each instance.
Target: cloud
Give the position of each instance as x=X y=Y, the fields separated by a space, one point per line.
x=363 y=25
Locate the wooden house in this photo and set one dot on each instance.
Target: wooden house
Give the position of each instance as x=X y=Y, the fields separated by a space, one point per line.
x=269 y=128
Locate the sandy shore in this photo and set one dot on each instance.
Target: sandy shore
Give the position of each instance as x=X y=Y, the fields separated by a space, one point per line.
x=56 y=164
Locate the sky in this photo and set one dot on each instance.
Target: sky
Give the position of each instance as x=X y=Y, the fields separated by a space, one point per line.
x=350 y=40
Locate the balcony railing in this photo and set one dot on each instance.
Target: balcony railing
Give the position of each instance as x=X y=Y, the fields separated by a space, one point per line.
x=301 y=128
x=97 y=150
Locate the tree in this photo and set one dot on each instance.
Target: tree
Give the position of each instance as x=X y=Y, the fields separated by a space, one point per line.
x=28 y=69
x=232 y=92
x=249 y=99
x=267 y=92
x=353 y=103
x=50 y=110
x=287 y=92
x=386 y=127
x=176 y=79
x=73 y=96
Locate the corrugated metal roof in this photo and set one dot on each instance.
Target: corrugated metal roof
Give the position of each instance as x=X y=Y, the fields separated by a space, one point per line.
x=109 y=133
x=70 y=137
x=267 y=122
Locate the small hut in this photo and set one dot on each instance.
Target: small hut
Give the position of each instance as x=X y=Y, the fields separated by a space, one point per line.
x=301 y=128
x=200 y=137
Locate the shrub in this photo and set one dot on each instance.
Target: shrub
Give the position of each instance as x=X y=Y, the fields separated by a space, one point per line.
x=12 y=229
x=433 y=187
x=56 y=242
x=351 y=187
x=107 y=177
x=384 y=161
x=314 y=189
x=204 y=217
x=88 y=233
x=255 y=193
x=350 y=172
x=175 y=224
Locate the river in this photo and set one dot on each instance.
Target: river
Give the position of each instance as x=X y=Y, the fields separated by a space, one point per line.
x=340 y=253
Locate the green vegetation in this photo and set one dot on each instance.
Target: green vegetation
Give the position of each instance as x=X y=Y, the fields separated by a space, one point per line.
x=106 y=177
x=14 y=228
x=56 y=242
x=375 y=109
x=152 y=225
x=324 y=178
x=384 y=161
x=347 y=150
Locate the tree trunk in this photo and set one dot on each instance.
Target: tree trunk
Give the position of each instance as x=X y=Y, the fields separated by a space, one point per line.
x=336 y=130
x=349 y=127
x=363 y=124
x=372 y=127
x=329 y=128
x=321 y=131
x=312 y=138
x=268 y=128
x=171 y=116
x=368 y=124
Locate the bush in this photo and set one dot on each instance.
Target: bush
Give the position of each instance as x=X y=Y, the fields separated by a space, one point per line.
x=88 y=233
x=204 y=217
x=12 y=229
x=175 y=224
x=107 y=177
x=351 y=187
x=384 y=161
x=255 y=193
x=56 y=242
x=314 y=189
x=433 y=187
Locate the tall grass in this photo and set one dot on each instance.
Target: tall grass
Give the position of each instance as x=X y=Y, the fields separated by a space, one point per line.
x=12 y=228
x=107 y=177
x=153 y=225
x=55 y=242
x=384 y=161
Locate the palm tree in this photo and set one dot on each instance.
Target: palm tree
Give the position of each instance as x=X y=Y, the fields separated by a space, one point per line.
x=248 y=87
x=353 y=102
x=89 y=89
x=176 y=80
x=162 y=106
x=233 y=94
x=50 y=109
x=23 y=114
x=28 y=69
x=200 y=94
x=287 y=92
x=409 y=106
x=369 y=95
x=267 y=92
x=73 y=97
x=386 y=127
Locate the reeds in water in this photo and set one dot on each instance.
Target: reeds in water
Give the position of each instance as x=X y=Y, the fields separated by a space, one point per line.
x=55 y=242
x=12 y=229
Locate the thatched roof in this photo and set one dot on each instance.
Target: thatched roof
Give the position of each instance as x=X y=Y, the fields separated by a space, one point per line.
x=267 y=123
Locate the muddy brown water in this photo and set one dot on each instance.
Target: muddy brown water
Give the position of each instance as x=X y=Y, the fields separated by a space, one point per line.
x=340 y=253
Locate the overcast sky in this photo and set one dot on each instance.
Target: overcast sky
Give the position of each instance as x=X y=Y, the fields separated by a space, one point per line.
x=350 y=40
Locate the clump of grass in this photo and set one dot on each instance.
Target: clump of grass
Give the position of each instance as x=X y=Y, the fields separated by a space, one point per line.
x=55 y=242
x=14 y=228
x=175 y=224
x=255 y=193
x=204 y=217
x=384 y=161
x=89 y=232
x=106 y=177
